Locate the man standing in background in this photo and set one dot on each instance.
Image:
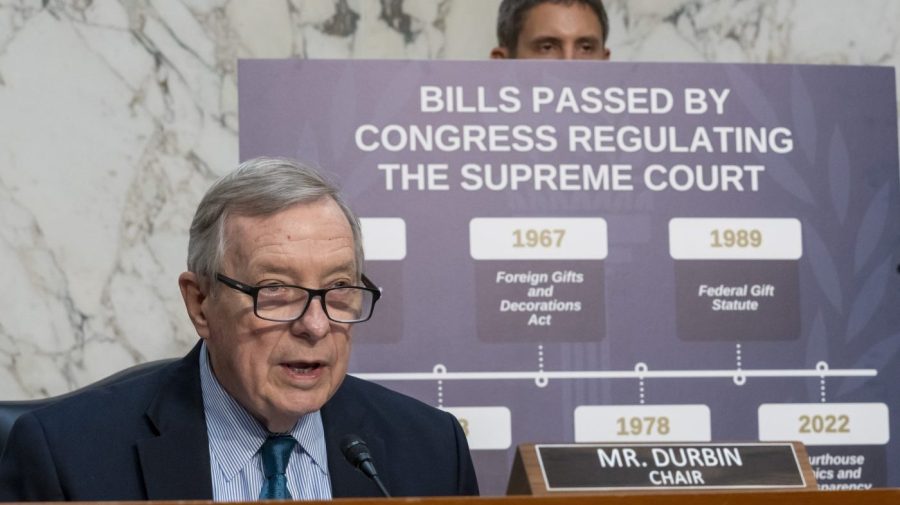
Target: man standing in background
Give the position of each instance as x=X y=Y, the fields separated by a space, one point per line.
x=552 y=29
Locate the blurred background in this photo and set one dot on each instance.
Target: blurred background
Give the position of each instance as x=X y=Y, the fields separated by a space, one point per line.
x=116 y=115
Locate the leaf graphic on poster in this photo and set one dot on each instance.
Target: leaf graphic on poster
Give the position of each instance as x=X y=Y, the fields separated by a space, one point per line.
x=823 y=267
x=758 y=104
x=751 y=96
x=839 y=174
x=805 y=126
x=868 y=299
x=872 y=227
x=816 y=350
x=877 y=357
x=785 y=175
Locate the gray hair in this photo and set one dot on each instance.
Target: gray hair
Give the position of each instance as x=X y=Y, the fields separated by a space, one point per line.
x=511 y=17
x=258 y=187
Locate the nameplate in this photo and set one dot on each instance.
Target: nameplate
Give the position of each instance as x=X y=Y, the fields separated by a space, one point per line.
x=610 y=467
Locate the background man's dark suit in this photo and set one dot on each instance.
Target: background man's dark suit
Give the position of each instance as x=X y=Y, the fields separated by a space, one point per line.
x=145 y=438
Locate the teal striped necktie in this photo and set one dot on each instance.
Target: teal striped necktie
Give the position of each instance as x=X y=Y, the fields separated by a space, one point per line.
x=275 y=453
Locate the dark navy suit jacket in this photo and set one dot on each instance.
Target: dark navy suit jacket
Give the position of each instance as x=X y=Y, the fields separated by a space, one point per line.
x=145 y=438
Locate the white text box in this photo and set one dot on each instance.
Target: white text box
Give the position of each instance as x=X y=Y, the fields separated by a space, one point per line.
x=384 y=238
x=735 y=239
x=825 y=423
x=642 y=423
x=538 y=238
x=485 y=427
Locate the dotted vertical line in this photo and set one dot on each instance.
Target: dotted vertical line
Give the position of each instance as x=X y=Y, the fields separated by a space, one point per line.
x=540 y=357
x=822 y=388
x=440 y=394
x=641 y=390
x=737 y=357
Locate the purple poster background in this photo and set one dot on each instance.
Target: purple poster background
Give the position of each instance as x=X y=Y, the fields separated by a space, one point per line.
x=836 y=308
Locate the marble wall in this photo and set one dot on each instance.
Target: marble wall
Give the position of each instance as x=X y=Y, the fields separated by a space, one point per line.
x=116 y=115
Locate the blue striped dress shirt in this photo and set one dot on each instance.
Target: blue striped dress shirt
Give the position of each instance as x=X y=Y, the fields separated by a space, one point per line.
x=234 y=441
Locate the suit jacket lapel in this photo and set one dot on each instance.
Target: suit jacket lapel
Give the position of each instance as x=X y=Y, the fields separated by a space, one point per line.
x=175 y=464
x=342 y=416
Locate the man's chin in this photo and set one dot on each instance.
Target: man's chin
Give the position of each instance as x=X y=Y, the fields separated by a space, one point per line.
x=291 y=407
x=285 y=419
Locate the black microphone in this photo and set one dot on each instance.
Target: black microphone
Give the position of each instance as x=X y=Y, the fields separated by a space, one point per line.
x=357 y=453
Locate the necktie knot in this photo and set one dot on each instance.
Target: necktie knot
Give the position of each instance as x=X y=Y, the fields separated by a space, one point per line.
x=275 y=454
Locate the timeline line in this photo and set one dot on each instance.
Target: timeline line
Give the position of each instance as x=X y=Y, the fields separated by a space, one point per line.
x=615 y=374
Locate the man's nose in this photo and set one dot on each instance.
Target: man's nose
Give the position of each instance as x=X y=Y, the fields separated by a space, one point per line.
x=314 y=324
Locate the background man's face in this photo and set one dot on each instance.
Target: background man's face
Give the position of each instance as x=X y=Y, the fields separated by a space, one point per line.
x=561 y=32
x=281 y=371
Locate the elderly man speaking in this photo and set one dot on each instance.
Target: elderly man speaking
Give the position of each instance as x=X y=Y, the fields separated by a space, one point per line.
x=262 y=407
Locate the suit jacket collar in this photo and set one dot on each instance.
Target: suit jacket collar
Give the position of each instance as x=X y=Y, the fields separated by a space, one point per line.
x=342 y=416
x=175 y=463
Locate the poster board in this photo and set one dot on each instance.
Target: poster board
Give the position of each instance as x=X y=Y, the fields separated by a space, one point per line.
x=617 y=252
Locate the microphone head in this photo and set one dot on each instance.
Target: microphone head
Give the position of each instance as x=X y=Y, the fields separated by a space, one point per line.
x=355 y=450
x=357 y=453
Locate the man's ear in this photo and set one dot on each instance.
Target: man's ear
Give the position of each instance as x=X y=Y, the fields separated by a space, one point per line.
x=606 y=53
x=499 y=53
x=195 y=298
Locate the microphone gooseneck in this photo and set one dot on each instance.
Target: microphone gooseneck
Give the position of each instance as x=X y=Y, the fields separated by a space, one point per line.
x=357 y=454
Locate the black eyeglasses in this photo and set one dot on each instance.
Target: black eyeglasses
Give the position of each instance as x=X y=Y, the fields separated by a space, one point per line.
x=285 y=303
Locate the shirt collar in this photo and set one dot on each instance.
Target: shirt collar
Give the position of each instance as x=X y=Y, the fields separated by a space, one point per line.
x=235 y=436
